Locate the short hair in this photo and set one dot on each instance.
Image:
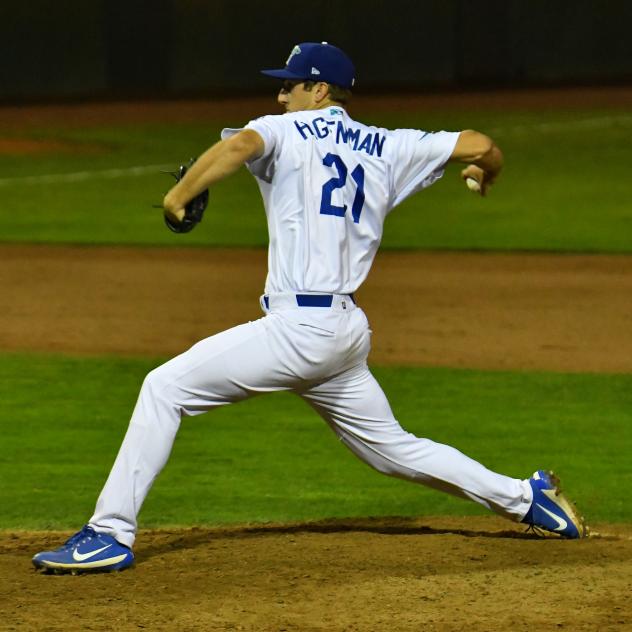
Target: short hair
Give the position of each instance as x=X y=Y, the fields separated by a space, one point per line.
x=337 y=93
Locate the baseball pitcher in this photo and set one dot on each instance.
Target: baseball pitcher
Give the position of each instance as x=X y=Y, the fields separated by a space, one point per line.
x=328 y=183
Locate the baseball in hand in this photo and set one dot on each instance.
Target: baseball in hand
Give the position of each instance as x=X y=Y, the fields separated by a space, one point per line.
x=473 y=185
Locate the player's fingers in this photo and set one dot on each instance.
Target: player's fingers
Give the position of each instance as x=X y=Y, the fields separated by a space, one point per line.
x=175 y=215
x=473 y=171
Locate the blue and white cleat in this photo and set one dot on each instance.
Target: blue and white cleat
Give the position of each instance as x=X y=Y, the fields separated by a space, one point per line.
x=86 y=552
x=551 y=510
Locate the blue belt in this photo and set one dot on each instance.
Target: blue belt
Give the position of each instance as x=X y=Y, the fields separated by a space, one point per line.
x=311 y=300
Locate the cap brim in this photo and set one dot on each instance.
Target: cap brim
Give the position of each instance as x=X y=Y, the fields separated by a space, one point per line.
x=282 y=73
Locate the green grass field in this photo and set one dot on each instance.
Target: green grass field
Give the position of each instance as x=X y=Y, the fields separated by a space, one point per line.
x=566 y=187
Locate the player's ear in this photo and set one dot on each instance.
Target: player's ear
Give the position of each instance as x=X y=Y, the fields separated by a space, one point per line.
x=321 y=91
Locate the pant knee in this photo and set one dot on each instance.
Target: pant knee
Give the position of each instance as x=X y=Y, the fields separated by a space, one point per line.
x=381 y=464
x=160 y=384
x=380 y=458
x=402 y=457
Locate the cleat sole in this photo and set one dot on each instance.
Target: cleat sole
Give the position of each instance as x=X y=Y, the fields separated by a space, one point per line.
x=568 y=507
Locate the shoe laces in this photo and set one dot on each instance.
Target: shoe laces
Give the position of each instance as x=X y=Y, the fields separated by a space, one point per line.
x=85 y=533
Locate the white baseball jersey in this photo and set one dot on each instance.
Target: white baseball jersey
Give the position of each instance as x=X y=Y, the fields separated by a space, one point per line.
x=328 y=183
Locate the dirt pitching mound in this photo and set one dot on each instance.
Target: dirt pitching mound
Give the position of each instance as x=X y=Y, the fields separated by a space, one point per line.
x=367 y=574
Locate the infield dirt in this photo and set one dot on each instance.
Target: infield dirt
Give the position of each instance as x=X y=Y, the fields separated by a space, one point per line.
x=475 y=310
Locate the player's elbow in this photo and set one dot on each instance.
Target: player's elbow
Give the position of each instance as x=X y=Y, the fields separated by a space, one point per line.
x=472 y=146
x=484 y=146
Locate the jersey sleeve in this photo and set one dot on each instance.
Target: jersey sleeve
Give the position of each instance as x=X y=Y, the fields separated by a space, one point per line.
x=269 y=129
x=419 y=160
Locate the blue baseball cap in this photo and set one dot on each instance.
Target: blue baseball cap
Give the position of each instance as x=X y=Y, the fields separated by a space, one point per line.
x=317 y=62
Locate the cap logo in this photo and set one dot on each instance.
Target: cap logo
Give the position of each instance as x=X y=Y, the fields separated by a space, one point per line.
x=315 y=71
x=295 y=51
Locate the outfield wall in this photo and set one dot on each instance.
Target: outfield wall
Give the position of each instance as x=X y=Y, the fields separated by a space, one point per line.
x=113 y=48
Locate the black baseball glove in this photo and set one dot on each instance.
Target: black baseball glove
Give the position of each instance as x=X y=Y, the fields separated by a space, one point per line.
x=193 y=211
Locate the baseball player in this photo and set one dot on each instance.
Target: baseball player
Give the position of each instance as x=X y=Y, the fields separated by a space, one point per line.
x=328 y=182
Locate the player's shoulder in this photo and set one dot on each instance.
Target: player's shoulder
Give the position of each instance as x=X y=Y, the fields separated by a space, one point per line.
x=414 y=140
x=384 y=142
x=279 y=123
x=394 y=135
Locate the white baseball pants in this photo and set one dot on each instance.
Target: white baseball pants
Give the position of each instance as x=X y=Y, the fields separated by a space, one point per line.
x=318 y=352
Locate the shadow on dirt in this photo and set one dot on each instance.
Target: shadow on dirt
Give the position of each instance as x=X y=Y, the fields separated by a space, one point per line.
x=194 y=537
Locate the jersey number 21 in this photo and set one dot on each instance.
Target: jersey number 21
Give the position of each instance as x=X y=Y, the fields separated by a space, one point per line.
x=326 y=207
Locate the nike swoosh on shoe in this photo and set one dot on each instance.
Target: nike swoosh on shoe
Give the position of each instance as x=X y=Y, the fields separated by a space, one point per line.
x=561 y=523
x=81 y=557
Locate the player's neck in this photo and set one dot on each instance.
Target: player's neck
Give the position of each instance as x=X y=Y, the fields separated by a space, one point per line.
x=326 y=103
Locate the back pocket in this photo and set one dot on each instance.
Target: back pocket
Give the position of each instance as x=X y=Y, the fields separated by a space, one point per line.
x=319 y=330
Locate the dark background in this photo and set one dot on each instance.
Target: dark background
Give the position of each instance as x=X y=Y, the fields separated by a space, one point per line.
x=168 y=48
